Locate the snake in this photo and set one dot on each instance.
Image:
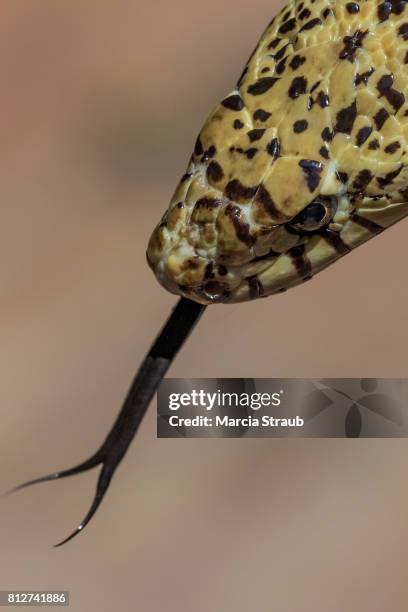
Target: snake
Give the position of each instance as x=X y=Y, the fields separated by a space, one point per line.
x=303 y=161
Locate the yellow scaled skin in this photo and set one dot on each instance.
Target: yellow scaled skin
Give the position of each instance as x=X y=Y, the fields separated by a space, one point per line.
x=320 y=110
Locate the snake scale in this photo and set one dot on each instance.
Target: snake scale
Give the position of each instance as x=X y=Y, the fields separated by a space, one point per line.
x=303 y=161
x=306 y=159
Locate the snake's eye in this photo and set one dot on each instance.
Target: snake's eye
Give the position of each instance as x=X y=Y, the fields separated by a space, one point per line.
x=316 y=214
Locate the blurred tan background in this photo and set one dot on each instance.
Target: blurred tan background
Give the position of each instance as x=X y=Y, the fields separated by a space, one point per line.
x=101 y=102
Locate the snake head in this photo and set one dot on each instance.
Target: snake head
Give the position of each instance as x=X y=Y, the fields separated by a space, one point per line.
x=303 y=161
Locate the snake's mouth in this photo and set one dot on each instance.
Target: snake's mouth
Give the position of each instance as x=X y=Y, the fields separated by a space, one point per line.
x=211 y=292
x=196 y=279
